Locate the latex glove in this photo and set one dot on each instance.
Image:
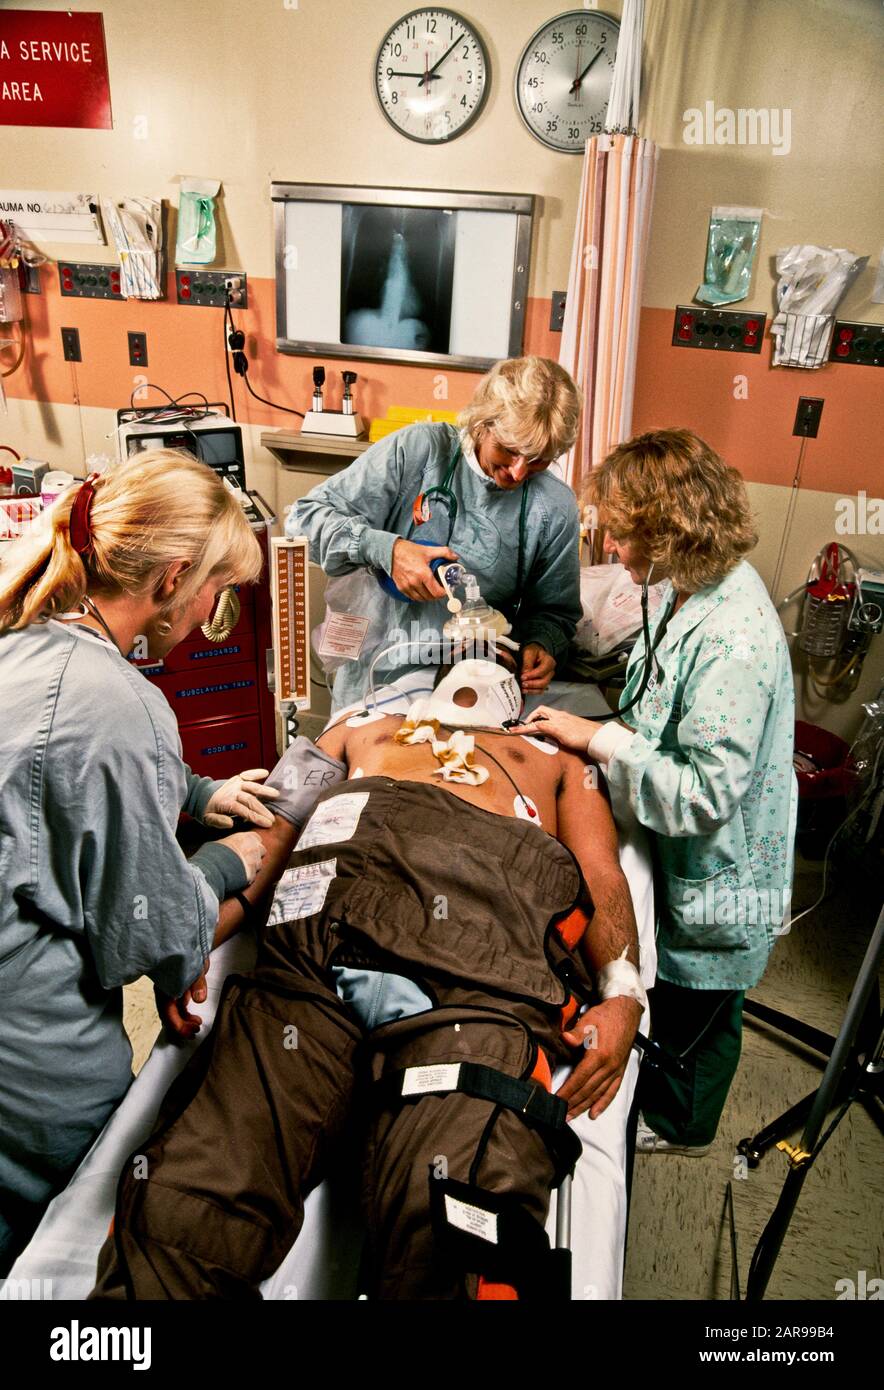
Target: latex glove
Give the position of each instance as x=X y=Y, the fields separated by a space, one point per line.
x=538 y=668
x=239 y=796
x=606 y=1033
x=250 y=849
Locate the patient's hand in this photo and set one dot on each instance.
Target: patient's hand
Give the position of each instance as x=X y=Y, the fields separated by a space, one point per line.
x=177 y=1021
x=606 y=1033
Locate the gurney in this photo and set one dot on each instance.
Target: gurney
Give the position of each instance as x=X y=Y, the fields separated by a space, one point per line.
x=324 y=1262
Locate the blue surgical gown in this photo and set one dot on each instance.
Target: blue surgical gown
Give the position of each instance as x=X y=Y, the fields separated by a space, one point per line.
x=353 y=520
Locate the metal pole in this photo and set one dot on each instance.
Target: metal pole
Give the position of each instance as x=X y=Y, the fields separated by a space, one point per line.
x=563 y=1214
x=768 y=1247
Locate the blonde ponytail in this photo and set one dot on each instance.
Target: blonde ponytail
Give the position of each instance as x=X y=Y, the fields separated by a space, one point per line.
x=156 y=508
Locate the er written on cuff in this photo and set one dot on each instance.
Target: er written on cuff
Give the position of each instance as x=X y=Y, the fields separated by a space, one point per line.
x=606 y=741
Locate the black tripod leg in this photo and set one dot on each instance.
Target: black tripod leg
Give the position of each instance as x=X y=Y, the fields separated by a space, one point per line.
x=792 y=1027
x=774 y=1233
x=755 y=1148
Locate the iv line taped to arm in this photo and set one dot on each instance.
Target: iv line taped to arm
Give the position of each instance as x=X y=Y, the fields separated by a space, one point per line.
x=620 y=979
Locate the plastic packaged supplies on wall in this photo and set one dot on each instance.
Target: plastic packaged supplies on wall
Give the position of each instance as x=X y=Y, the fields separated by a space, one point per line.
x=730 y=255
x=611 y=608
x=196 y=244
x=813 y=281
x=134 y=226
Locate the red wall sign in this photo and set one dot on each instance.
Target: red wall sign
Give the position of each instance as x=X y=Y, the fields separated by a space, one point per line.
x=53 y=69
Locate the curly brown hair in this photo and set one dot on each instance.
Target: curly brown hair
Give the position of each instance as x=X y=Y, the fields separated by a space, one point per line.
x=683 y=506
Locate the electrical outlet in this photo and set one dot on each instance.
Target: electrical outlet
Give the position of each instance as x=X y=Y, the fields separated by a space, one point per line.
x=858 y=342
x=211 y=287
x=78 y=280
x=726 y=330
x=137 y=349
x=70 y=341
x=807 y=416
x=557 y=310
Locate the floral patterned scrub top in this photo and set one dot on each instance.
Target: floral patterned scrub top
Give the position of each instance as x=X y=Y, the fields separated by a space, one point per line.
x=710 y=771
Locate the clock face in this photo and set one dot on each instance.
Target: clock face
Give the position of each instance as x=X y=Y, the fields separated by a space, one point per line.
x=431 y=75
x=564 y=78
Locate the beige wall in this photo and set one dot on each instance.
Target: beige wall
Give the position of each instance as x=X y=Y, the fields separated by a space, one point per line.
x=258 y=91
x=250 y=92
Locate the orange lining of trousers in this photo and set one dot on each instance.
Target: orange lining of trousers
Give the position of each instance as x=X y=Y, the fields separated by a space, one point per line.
x=571 y=929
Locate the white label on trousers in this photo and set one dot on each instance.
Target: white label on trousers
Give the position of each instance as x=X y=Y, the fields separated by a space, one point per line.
x=343 y=635
x=442 y=1077
x=302 y=891
x=333 y=820
x=472 y=1219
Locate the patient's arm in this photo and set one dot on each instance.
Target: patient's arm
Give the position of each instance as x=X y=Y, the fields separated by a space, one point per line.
x=279 y=842
x=607 y=1030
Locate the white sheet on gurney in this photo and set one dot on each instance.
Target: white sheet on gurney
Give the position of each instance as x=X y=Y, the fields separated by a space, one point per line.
x=323 y=1263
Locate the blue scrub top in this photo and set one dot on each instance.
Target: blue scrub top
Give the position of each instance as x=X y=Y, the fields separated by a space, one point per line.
x=353 y=520
x=96 y=890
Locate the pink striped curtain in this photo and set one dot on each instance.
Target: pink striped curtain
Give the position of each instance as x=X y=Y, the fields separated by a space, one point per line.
x=600 y=331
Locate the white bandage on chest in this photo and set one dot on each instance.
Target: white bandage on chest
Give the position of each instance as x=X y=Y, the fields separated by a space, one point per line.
x=456 y=754
x=619 y=978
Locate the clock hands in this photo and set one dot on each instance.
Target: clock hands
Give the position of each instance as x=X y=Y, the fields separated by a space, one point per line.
x=441 y=60
x=575 y=85
x=430 y=75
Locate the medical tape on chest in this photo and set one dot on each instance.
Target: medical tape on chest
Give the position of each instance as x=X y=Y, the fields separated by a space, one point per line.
x=456 y=755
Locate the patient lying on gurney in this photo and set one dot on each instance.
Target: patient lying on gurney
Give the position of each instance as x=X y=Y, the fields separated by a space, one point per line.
x=423 y=964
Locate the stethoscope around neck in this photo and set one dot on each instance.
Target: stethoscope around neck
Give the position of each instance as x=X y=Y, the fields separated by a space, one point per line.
x=422 y=510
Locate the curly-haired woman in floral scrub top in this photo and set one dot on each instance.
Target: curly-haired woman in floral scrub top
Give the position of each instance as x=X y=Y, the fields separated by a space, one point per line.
x=704 y=760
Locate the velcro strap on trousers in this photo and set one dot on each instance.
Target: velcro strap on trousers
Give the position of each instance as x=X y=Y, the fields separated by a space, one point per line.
x=537 y=1105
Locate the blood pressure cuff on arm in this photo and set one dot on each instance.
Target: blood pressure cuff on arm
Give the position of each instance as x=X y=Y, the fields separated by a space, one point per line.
x=302 y=773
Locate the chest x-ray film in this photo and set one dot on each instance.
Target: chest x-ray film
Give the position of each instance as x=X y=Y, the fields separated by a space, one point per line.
x=369 y=275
